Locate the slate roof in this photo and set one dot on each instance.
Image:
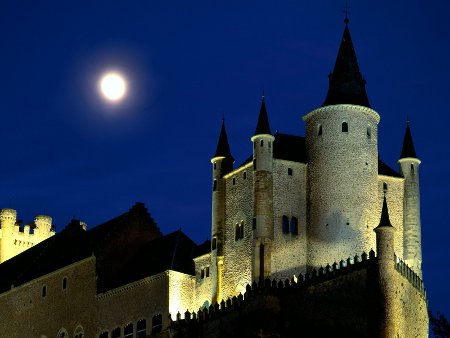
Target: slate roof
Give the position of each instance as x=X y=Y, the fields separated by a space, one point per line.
x=263 y=126
x=408 y=149
x=384 y=169
x=155 y=253
x=346 y=83
x=223 y=147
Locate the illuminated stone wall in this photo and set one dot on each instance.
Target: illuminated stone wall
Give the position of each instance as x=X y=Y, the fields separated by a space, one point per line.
x=203 y=286
x=289 y=250
x=342 y=181
x=13 y=241
x=26 y=313
x=238 y=253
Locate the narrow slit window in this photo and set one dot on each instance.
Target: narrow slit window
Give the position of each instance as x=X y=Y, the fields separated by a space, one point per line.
x=245 y=175
x=412 y=168
x=344 y=127
x=319 y=130
x=215 y=165
x=385 y=187
x=44 y=291
x=64 y=283
x=214 y=243
x=294 y=226
x=262 y=143
x=369 y=132
x=214 y=185
x=290 y=171
x=234 y=180
x=207 y=271
x=254 y=223
x=202 y=273
x=254 y=164
x=285 y=224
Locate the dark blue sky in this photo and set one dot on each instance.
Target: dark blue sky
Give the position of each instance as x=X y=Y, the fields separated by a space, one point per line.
x=66 y=153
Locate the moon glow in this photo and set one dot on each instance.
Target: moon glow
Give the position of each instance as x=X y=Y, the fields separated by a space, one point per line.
x=113 y=87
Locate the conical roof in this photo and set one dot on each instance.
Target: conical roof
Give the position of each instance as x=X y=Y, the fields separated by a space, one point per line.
x=263 y=126
x=346 y=83
x=408 y=149
x=223 y=148
x=384 y=220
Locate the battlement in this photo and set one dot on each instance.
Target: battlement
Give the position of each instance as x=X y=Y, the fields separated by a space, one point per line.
x=410 y=275
x=8 y=214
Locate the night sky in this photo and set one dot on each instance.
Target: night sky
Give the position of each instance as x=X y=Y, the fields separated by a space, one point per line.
x=67 y=153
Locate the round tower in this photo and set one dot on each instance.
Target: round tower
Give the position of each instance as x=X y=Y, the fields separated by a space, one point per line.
x=43 y=225
x=7 y=224
x=222 y=164
x=342 y=149
x=262 y=195
x=409 y=169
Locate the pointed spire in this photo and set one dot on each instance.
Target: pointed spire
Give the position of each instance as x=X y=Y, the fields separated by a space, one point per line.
x=346 y=83
x=408 y=149
x=263 y=126
x=384 y=220
x=223 y=148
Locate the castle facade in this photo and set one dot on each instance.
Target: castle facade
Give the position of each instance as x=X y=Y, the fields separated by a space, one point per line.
x=310 y=233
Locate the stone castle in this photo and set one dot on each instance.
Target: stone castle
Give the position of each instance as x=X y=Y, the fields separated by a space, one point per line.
x=313 y=234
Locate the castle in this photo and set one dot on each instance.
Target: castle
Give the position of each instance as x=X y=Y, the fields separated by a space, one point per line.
x=313 y=233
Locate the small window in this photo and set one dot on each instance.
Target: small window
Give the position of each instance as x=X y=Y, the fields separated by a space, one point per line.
x=202 y=273
x=290 y=171
x=285 y=224
x=385 y=188
x=294 y=226
x=245 y=175
x=234 y=180
x=103 y=335
x=44 y=291
x=262 y=143
x=214 y=185
x=64 y=283
x=62 y=333
x=239 y=234
x=157 y=323
x=207 y=272
x=128 y=331
x=412 y=168
x=141 y=328
x=254 y=223
x=254 y=164
x=369 y=132
x=214 y=243
x=115 y=333
x=79 y=332
x=344 y=127
x=319 y=130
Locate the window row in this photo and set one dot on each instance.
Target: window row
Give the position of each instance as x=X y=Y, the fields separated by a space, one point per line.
x=344 y=129
x=204 y=272
x=261 y=144
x=129 y=332
x=78 y=333
x=289 y=226
x=63 y=287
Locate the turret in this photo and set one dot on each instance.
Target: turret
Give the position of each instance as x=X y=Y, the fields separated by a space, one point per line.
x=409 y=169
x=342 y=149
x=388 y=306
x=7 y=228
x=222 y=163
x=43 y=225
x=262 y=195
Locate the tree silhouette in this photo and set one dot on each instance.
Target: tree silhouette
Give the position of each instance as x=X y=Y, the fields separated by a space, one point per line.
x=440 y=325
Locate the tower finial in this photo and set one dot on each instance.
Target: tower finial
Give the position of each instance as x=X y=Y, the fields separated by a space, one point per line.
x=346 y=12
x=407 y=119
x=263 y=95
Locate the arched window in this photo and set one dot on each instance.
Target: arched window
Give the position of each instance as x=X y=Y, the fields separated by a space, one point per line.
x=285 y=224
x=128 y=331
x=44 y=291
x=319 y=130
x=344 y=127
x=103 y=335
x=141 y=328
x=115 y=333
x=62 y=333
x=157 y=323
x=64 y=283
x=384 y=186
x=294 y=226
x=79 y=332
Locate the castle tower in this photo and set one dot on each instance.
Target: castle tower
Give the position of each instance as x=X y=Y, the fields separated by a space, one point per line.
x=7 y=227
x=409 y=168
x=222 y=163
x=43 y=226
x=342 y=149
x=389 y=308
x=262 y=195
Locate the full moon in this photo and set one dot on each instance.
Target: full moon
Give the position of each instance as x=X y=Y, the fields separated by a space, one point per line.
x=113 y=86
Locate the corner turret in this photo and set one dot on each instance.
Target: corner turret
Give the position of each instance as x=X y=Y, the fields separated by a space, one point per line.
x=409 y=169
x=263 y=195
x=222 y=164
